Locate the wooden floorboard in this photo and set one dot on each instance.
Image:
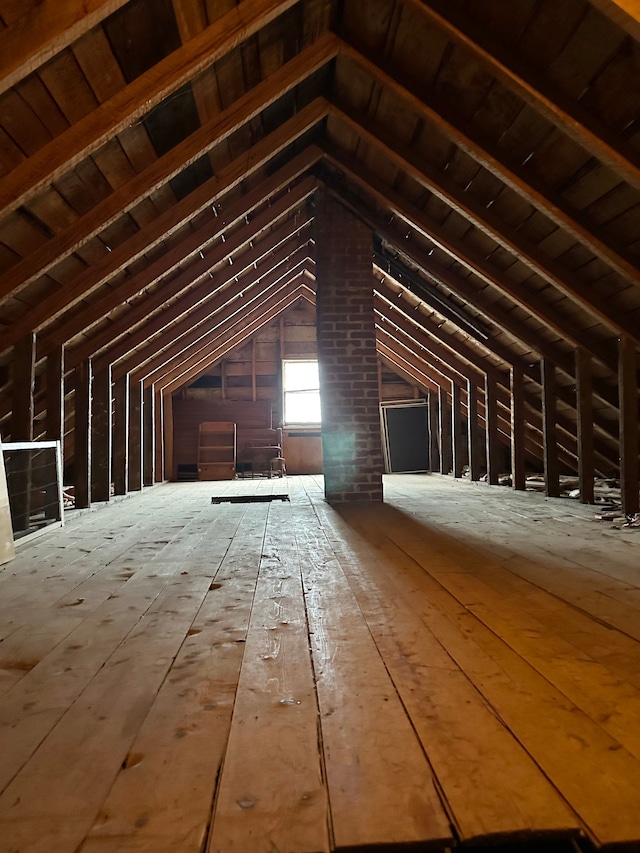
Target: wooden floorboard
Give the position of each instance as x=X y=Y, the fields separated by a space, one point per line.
x=460 y=665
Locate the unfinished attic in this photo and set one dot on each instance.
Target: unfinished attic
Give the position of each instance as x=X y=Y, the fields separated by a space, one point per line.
x=319 y=324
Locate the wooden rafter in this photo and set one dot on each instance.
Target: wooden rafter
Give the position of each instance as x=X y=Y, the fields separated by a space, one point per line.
x=169 y=222
x=127 y=333
x=494 y=160
x=198 y=268
x=423 y=382
x=184 y=371
x=184 y=331
x=194 y=244
x=189 y=341
x=625 y=13
x=421 y=329
x=168 y=166
x=572 y=119
x=43 y=31
x=136 y=99
x=280 y=236
x=455 y=248
x=483 y=219
x=453 y=368
x=494 y=313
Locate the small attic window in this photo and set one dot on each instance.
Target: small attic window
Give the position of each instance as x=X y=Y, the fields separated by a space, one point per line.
x=301 y=392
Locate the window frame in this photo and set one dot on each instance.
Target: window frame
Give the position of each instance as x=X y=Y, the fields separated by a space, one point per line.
x=298 y=424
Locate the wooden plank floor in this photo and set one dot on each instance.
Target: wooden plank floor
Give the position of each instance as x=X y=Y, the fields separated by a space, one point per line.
x=460 y=665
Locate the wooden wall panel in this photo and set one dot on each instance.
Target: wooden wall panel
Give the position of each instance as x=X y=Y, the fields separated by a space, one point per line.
x=302 y=451
x=188 y=414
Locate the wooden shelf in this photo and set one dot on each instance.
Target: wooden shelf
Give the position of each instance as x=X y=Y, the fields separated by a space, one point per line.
x=217 y=450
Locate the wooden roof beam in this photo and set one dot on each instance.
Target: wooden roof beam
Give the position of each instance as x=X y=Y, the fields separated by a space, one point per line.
x=44 y=30
x=624 y=13
x=491 y=157
x=183 y=370
x=138 y=98
x=189 y=339
x=229 y=345
x=457 y=285
x=186 y=328
x=127 y=334
x=482 y=218
x=421 y=381
x=174 y=218
x=472 y=260
x=202 y=285
x=162 y=170
x=386 y=335
x=386 y=293
x=538 y=91
x=425 y=347
x=190 y=248
x=424 y=331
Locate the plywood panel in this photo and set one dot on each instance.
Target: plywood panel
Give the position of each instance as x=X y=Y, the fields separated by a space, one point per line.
x=6 y=533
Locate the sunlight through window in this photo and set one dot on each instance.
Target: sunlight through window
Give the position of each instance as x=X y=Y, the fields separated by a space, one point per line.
x=301 y=387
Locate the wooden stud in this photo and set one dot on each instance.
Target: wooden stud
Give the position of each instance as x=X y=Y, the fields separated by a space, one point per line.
x=54 y=426
x=518 y=429
x=158 y=408
x=549 y=429
x=101 y=435
x=121 y=435
x=444 y=430
x=149 y=437
x=628 y=393
x=473 y=431
x=170 y=463
x=491 y=427
x=457 y=443
x=281 y=356
x=253 y=370
x=82 y=434
x=135 y=435
x=24 y=362
x=434 y=432
x=584 y=405
x=55 y=395
x=7 y=546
